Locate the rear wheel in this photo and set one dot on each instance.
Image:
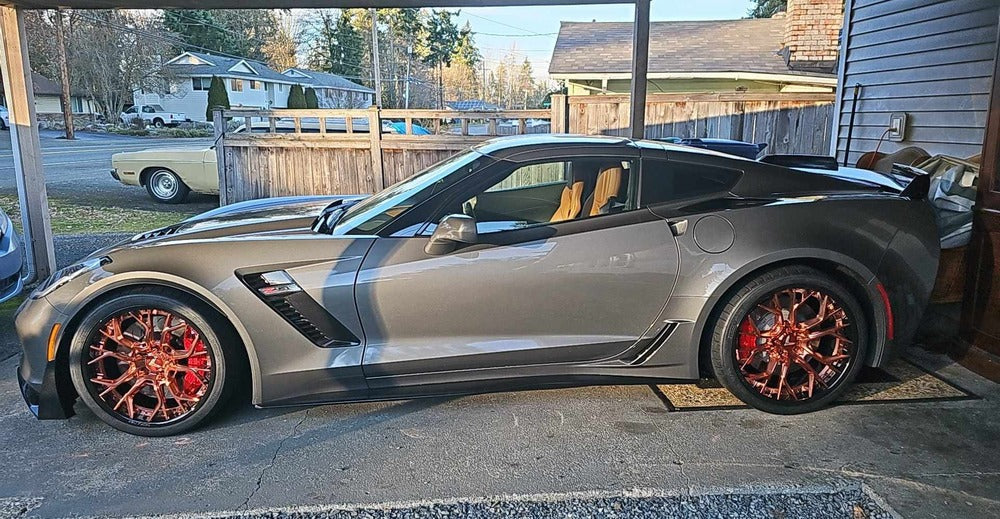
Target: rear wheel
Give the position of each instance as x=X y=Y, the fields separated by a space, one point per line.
x=166 y=187
x=789 y=341
x=152 y=365
x=158 y=122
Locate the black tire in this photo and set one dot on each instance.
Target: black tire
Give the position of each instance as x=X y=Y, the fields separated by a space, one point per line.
x=164 y=186
x=750 y=365
x=220 y=364
x=158 y=122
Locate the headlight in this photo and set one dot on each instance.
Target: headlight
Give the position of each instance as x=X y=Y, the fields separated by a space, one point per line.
x=64 y=276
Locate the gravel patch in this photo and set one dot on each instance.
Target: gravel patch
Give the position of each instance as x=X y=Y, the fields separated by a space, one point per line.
x=850 y=500
x=74 y=247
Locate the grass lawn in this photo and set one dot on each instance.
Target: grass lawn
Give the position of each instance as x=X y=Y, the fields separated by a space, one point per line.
x=72 y=217
x=7 y=311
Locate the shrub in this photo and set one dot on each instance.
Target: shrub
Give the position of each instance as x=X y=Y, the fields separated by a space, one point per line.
x=312 y=101
x=218 y=97
x=296 y=97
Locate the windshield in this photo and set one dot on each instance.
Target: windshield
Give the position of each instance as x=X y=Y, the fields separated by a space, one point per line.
x=373 y=213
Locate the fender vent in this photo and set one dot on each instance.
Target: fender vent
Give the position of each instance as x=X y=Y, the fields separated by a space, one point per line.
x=304 y=314
x=654 y=344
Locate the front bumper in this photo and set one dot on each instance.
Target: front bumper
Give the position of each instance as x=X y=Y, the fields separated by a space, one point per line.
x=114 y=175
x=45 y=385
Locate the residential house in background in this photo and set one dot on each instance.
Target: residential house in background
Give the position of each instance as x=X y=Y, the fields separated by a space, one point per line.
x=48 y=103
x=250 y=84
x=794 y=52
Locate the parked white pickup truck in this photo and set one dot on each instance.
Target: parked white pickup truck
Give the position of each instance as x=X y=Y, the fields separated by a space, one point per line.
x=153 y=114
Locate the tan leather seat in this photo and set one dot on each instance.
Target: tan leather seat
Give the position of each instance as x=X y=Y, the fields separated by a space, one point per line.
x=609 y=181
x=569 y=203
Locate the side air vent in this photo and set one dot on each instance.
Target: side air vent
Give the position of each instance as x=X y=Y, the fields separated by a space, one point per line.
x=278 y=291
x=156 y=233
x=644 y=353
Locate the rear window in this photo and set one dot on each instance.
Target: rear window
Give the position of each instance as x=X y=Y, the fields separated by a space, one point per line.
x=669 y=180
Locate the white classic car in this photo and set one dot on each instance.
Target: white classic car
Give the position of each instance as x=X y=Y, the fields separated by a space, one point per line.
x=168 y=174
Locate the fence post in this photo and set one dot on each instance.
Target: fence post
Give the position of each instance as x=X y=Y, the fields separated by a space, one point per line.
x=225 y=186
x=375 y=132
x=560 y=114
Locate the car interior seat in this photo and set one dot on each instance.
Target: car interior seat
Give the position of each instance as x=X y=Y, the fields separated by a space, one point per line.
x=569 y=202
x=609 y=183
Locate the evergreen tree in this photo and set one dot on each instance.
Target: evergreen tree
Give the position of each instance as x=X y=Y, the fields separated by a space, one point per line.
x=312 y=101
x=217 y=97
x=437 y=47
x=296 y=97
x=767 y=8
x=337 y=46
x=239 y=32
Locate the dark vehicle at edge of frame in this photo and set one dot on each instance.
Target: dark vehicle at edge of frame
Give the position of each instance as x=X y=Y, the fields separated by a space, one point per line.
x=525 y=262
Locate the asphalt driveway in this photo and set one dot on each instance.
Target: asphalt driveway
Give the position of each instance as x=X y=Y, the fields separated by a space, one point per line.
x=78 y=170
x=587 y=448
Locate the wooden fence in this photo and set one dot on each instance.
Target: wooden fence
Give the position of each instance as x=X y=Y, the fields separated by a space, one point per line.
x=788 y=123
x=302 y=152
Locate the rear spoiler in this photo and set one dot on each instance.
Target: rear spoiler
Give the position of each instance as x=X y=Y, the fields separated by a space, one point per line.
x=802 y=161
x=919 y=188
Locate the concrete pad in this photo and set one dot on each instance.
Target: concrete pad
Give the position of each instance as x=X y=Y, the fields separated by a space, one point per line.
x=934 y=459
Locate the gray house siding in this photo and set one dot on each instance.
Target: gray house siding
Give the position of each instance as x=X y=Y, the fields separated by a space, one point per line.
x=931 y=59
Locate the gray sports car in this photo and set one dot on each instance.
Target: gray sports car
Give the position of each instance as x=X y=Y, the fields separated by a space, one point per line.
x=525 y=262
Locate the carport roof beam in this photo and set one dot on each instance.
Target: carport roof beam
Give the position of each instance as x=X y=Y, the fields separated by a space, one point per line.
x=288 y=4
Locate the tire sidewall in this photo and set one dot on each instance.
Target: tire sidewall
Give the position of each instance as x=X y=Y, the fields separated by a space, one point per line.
x=220 y=361
x=724 y=338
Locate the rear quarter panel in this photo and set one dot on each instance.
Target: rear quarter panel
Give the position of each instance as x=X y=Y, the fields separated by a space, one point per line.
x=852 y=231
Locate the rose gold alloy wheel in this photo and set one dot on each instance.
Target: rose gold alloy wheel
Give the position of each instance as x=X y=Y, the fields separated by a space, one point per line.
x=149 y=366
x=792 y=344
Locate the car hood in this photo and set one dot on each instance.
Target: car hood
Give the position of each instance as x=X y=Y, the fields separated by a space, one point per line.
x=272 y=215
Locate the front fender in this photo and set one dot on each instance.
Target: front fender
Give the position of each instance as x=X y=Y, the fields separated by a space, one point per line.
x=102 y=283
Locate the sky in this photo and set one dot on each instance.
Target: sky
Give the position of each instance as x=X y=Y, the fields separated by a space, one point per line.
x=531 y=31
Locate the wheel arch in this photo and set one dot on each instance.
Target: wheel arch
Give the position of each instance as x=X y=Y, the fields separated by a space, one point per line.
x=856 y=277
x=180 y=287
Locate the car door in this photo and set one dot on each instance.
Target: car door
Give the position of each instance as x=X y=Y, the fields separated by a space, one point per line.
x=530 y=292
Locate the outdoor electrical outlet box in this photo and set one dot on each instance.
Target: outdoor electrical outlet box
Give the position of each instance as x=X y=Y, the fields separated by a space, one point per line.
x=897 y=127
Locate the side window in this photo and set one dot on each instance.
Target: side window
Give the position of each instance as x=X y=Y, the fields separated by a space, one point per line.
x=668 y=180
x=549 y=192
x=147 y=110
x=131 y=110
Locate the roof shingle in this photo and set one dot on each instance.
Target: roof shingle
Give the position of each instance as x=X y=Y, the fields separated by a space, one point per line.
x=749 y=45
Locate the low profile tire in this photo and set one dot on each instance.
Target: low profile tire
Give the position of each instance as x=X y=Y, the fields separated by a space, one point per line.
x=150 y=364
x=166 y=187
x=789 y=341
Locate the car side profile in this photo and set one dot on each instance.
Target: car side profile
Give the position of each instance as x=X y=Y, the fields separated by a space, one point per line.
x=525 y=262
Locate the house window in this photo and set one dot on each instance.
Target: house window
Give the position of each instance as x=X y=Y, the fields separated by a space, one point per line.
x=200 y=83
x=236 y=85
x=78 y=105
x=255 y=85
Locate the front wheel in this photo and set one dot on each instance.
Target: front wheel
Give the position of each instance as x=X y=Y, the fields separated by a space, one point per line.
x=789 y=341
x=166 y=187
x=151 y=364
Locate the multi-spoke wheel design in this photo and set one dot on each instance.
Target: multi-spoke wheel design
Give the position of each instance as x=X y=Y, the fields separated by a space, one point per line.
x=153 y=362
x=789 y=340
x=792 y=345
x=150 y=365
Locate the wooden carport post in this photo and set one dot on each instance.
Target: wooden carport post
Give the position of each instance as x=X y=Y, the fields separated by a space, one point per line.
x=640 y=67
x=27 y=148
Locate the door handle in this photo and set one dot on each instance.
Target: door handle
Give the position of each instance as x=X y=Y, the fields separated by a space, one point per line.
x=678 y=227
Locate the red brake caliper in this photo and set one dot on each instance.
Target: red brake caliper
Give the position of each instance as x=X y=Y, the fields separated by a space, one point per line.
x=747 y=339
x=198 y=359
